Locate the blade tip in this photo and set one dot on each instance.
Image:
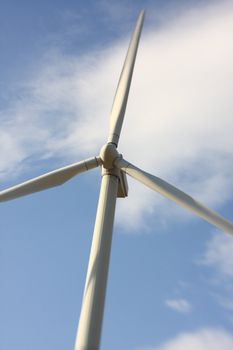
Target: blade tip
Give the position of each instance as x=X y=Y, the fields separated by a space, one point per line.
x=142 y=13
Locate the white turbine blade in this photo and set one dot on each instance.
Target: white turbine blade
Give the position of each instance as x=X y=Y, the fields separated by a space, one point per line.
x=175 y=195
x=121 y=96
x=51 y=179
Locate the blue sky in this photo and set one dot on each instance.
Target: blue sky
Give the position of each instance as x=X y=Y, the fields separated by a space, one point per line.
x=171 y=275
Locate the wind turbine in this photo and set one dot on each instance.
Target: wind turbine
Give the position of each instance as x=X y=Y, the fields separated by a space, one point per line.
x=114 y=184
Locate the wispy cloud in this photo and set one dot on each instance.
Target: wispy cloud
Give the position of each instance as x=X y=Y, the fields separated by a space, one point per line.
x=179 y=118
x=219 y=255
x=209 y=338
x=179 y=305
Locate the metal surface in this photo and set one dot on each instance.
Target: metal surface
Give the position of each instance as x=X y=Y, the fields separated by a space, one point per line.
x=51 y=179
x=173 y=193
x=122 y=92
x=123 y=187
x=90 y=322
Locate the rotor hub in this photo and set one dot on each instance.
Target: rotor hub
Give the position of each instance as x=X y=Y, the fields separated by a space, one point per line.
x=108 y=155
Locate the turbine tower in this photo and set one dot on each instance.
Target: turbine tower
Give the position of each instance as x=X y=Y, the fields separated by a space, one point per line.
x=114 y=184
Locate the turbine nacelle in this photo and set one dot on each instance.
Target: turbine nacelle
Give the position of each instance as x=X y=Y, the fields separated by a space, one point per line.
x=108 y=156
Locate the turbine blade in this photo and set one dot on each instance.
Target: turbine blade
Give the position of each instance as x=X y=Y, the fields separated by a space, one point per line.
x=51 y=179
x=121 y=96
x=174 y=194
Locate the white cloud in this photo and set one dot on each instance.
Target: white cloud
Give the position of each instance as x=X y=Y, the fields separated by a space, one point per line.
x=209 y=338
x=179 y=305
x=179 y=117
x=219 y=254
